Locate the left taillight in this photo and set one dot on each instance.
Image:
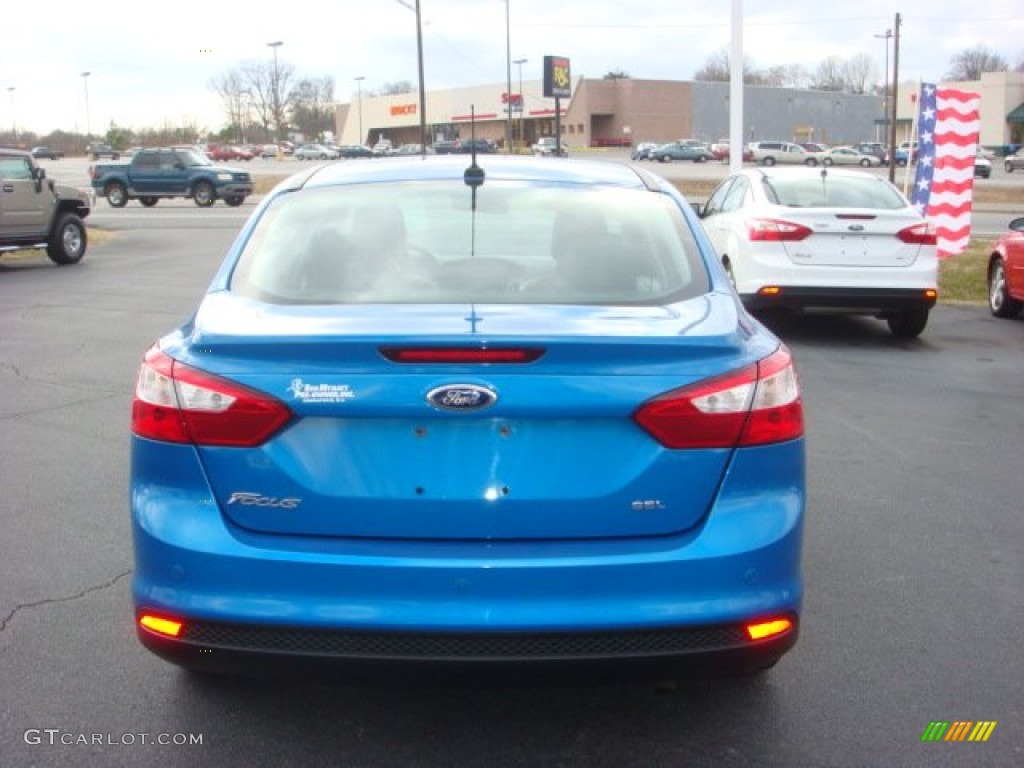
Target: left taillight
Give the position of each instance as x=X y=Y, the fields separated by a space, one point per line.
x=177 y=403
x=756 y=405
x=776 y=231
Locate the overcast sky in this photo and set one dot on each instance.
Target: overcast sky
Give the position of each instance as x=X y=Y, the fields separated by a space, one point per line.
x=152 y=63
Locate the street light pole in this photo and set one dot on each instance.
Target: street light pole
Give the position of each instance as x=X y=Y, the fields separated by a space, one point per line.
x=275 y=98
x=519 y=63
x=885 y=89
x=88 y=122
x=508 y=74
x=14 y=124
x=359 y=87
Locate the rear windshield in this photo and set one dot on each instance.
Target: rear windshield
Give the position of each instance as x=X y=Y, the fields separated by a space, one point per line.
x=441 y=242
x=833 y=191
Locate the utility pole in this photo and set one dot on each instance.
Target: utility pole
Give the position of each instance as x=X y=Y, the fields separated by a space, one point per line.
x=275 y=96
x=895 y=100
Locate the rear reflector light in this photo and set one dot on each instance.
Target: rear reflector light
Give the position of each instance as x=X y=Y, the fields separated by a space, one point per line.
x=161 y=625
x=918 y=234
x=776 y=231
x=176 y=403
x=756 y=405
x=768 y=628
x=931 y=293
x=461 y=354
x=770 y=290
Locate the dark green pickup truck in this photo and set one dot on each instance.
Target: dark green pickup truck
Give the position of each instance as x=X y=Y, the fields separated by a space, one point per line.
x=171 y=172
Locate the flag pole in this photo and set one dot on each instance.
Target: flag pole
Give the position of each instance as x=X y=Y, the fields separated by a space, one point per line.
x=913 y=138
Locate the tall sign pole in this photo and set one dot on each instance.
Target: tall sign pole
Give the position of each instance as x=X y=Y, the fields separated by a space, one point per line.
x=557 y=85
x=736 y=89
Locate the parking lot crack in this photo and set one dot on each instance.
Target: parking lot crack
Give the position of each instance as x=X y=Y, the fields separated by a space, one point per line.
x=65 y=599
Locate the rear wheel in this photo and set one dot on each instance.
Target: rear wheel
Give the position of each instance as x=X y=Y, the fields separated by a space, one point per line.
x=828 y=161
x=67 y=240
x=908 y=324
x=234 y=200
x=866 y=163
x=116 y=194
x=203 y=194
x=769 y=160
x=148 y=201
x=1000 y=303
x=811 y=161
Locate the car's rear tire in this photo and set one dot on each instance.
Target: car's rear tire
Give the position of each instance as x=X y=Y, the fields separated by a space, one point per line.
x=116 y=194
x=865 y=163
x=827 y=161
x=67 y=241
x=148 y=201
x=908 y=324
x=204 y=194
x=769 y=161
x=1000 y=303
x=234 y=200
x=665 y=159
x=811 y=162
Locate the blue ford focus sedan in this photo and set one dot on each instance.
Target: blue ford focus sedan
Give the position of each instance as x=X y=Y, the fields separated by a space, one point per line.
x=453 y=411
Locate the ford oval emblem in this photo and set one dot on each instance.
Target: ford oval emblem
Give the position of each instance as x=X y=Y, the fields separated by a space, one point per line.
x=461 y=397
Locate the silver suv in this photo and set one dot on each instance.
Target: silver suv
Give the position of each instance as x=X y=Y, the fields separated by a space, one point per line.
x=39 y=213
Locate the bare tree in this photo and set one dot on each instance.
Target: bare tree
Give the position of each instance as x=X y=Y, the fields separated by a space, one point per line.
x=970 y=63
x=388 y=89
x=312 y=105
x=617 y=74
x=829 y=75
x=234 y=93
x=858 y=72
x=716 y=70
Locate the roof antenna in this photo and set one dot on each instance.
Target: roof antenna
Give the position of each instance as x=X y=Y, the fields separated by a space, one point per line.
x=474 y=175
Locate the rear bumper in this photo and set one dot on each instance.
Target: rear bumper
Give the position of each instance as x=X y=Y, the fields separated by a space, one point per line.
x=248 y=649
x=867 y=300
x=235 y=189
x=255 y=599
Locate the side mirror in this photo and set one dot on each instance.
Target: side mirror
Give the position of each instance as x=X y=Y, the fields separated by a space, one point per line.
x=39 y=174
x=698 y=208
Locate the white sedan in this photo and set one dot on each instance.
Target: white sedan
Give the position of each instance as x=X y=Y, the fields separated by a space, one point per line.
x=825 y=238
x=315 y=152
x=850 y=156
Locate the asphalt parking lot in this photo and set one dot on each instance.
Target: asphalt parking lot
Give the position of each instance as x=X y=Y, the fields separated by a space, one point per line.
x=913 y=564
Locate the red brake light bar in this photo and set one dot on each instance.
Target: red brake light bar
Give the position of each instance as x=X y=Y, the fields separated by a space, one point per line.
x=461 y=354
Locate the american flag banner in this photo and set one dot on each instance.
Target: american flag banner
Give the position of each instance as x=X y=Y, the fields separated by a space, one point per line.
x=947 y=131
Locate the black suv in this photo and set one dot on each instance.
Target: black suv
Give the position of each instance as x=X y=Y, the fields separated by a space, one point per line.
x=96 y=151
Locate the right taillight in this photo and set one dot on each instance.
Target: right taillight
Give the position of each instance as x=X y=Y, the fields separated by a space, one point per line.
x=756 y=405
x=918 y=234
x=176 y=403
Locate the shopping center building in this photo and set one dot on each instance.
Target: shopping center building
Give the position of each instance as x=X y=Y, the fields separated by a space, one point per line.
x=626 y=111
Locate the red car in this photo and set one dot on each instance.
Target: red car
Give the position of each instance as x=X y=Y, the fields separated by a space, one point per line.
x=228 y=152
x=720 y=150
x=1006 y=272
